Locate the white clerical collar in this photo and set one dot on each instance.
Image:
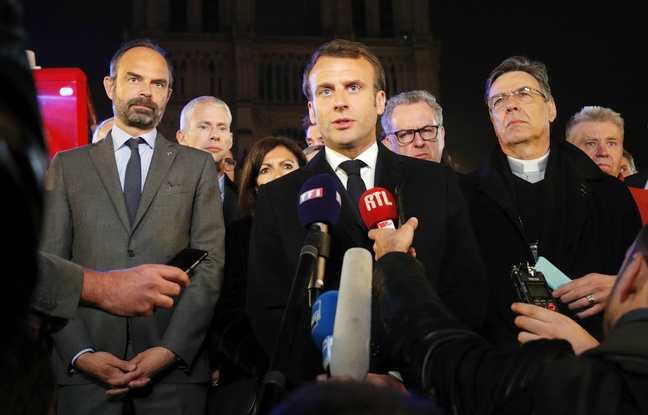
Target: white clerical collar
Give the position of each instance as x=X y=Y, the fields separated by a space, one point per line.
x=532 y=171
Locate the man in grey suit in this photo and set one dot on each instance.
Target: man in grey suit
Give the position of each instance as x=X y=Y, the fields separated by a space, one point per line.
x=107 y=364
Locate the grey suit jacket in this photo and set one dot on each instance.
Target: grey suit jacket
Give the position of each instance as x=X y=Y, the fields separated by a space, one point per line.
x=58 y=288
x=86 y=221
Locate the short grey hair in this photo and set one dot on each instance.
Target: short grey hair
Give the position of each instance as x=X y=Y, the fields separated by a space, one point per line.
x=594 y=113
x=406 y=98
x=190 y=108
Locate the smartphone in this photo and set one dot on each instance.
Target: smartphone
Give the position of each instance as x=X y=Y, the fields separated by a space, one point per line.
x=188 y=258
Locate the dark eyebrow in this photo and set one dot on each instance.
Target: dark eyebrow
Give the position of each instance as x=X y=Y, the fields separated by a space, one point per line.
x=157 y=81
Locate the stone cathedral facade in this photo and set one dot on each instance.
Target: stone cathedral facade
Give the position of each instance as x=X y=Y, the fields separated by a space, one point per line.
x=252 y=54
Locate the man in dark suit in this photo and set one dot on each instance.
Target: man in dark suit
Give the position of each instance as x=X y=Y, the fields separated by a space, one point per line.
x=344 y=83
x=205 y=124
x=537 y=196
x=107 y=364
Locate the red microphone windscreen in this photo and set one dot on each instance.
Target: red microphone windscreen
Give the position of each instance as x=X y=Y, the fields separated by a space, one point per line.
x=378 y=208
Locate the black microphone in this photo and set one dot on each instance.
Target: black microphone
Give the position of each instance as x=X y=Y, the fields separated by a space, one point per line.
x=318 y=210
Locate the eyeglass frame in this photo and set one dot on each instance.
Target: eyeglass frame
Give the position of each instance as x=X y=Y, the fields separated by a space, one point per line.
x=418 y=130
x=514 y=94
x=228 y=161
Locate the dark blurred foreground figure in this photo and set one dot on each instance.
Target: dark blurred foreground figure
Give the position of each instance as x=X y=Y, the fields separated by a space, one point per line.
x=40 y=301
x=442 y=359
x=26 y=382
x=352 y=398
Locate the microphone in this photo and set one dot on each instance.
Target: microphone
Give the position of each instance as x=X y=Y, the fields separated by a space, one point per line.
x=352 y=328
x=323 y=317
x=318 y=210
x=322 y=322
x=378 y=208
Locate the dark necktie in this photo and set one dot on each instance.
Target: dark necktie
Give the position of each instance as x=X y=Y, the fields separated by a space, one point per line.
x=133 y=179
x=355 y=185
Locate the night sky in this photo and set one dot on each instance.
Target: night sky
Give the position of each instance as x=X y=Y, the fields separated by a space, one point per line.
x=596 y=53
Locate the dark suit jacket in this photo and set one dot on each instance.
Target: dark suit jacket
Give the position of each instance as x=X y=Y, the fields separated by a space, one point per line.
x=444 y=242
x=590 y=220
x=231 y=209
x=86 y=222
x=638 y=179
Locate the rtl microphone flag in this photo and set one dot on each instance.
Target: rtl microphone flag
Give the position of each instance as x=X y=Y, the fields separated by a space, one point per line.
x=352 y=329
x=378 y=208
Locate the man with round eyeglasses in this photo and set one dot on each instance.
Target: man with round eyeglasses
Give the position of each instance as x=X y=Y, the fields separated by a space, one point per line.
x=413 y=123
x=539 y=196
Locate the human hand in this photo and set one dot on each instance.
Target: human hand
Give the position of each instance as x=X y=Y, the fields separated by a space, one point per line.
x=541 y=323
x=149 y=363
x=115 y=372
x=133 y=292
x=575 y=293
x=400 y=240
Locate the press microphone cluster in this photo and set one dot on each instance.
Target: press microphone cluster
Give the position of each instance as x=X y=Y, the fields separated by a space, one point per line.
x=378 y=208
x=341 y=320
x=318 y=209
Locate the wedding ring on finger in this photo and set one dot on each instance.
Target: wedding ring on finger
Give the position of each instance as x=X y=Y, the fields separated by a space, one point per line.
x=590 y=299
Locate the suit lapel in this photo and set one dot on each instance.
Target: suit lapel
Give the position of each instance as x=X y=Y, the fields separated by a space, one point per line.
x=103 y=157
x=164 y=154
x=388 y=173
x=492 y=183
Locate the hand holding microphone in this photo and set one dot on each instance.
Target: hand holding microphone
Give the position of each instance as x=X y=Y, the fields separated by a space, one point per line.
x=379 y=210
x=400 y=240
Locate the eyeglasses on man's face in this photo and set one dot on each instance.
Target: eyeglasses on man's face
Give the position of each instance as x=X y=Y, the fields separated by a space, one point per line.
x=229 y=164
x=522 y=95
x=427 y=133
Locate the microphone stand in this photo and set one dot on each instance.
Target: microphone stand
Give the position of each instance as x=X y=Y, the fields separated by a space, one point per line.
x=274 y=382
x=317 y=278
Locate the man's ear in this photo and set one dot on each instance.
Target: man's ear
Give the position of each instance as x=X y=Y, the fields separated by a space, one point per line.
x=180 y=137
x=632 y=279
x=553 y=112
x=109 y=83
